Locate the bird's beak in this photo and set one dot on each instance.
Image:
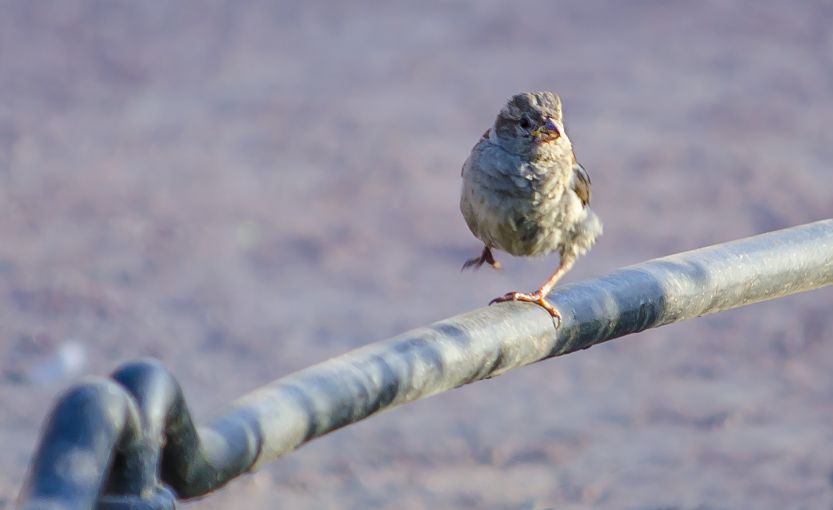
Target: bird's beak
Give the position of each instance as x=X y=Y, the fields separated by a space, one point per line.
x=547 y=133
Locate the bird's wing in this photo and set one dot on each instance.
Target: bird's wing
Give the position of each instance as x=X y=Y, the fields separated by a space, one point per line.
x=484 y=137
x=581 y=183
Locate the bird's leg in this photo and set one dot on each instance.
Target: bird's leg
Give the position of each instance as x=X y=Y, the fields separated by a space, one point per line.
x=539 y=296
x=565 y=264
x=485 y=256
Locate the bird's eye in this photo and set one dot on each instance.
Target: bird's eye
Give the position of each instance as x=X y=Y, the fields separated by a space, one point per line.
x=525 y=123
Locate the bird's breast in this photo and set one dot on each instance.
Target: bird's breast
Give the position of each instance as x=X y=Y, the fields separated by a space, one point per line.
x=518 y=206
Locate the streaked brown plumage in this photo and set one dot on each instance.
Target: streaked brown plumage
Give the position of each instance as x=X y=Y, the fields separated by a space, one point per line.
x=525 y=193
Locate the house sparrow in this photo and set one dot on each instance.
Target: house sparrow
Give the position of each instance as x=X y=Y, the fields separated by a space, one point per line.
x=525 y=193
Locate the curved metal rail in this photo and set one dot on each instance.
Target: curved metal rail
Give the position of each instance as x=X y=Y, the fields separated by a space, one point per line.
x=279 y=417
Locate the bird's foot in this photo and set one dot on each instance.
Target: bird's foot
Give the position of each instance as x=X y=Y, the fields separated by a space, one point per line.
x=485 y=257
x=535 y=297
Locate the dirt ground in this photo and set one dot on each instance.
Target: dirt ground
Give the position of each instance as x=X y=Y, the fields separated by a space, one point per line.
x=244 y=188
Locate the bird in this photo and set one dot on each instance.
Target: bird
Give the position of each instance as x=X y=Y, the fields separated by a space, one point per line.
x=525 y=193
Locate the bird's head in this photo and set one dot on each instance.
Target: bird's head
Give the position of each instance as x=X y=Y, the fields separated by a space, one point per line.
x=530 y=122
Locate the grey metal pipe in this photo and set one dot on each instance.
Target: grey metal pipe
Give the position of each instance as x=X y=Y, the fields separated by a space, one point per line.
x=77 y=448
x=285 y=414
x=137 y=423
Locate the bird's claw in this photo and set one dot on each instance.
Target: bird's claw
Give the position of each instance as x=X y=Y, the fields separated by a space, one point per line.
x=479 y=261
x=535 y=297
x=485 y=257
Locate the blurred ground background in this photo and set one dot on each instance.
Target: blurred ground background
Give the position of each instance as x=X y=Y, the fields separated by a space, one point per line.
x=244 y=188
